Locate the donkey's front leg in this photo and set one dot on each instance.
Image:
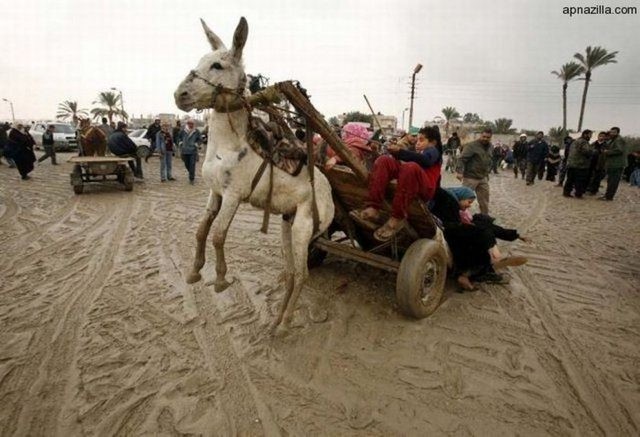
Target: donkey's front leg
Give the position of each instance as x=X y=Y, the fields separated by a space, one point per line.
x=213 y=205
x=221 y=224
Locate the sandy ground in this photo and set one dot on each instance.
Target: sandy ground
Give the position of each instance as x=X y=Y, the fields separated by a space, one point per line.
x=100 y=335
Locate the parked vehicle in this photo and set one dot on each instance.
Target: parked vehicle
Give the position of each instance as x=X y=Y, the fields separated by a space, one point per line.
x=64 y=136
x=137 y=136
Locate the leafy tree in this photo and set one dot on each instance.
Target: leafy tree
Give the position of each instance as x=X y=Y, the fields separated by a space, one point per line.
x=568 y=72
x=557 y=134
x=450 y=114
x=593 y=58
x=110 y=102
x=333 y=121
x=358 y=116
x=69 y=110
x=501 y=126
x=471 y=118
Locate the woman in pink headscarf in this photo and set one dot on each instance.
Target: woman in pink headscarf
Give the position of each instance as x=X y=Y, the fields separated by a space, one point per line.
x=356 y=137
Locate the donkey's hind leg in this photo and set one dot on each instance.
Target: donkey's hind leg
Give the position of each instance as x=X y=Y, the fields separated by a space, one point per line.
x=301 y=233
x=287 y=257
x=227 y=211
x=213 y=204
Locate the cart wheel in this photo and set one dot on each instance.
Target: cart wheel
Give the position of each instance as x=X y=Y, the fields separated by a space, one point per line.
x=421 y=278
x=76 y=179
x=128 y=179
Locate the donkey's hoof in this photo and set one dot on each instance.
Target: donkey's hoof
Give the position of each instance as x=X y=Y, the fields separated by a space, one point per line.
x=192 y=278
x=222 y=285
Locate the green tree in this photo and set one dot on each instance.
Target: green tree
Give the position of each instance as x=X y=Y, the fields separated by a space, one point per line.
x=358 y=116
x=501 y=126
x=593 y=58
x=557 y=134
x=450 y=114
x=568 y=72
x=69 y=110
x=110 y=102
x=471 y=118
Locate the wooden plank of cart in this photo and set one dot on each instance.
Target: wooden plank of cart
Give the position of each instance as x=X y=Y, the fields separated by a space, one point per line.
x=88 y=169
x=419 y=261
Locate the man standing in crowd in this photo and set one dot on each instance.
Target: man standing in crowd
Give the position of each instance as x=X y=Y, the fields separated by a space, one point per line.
x=614 y=162
x=190 y=138
x=121 y=145
x=105 y=128
x=578 y=165
x=20 y=149
x=4 y=139
x=151 y=135
x=474 y=165
x=453 y=144
x=596 y=169
x=537 y=151
x=47 y=143
x=563 y=165
x=520 y=156
x=176 y=133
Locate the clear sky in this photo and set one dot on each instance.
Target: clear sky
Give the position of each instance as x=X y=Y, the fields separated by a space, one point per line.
x=492 y=57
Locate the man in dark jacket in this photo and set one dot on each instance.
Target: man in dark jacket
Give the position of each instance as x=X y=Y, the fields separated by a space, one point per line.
x=596 y=169
x=474 y=165
x=520 y=156
x=563 y=164
x=537 y=152
x=151 y=134
x=48 y=143
x=615 y=153
x=120 y=144
x=20 y=149
x=578 y=165
x=4 y=139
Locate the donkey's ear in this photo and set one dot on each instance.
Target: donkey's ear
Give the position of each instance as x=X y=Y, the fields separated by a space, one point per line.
x=239 y=39
x=216 y=43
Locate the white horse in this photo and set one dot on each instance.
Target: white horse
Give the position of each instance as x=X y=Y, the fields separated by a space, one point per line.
x=230 y=166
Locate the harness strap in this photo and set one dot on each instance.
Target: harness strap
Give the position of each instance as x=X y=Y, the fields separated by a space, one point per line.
x=311 y=164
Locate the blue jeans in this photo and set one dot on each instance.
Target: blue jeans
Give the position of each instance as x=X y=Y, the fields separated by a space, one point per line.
x=190 y=164
x=165 y=166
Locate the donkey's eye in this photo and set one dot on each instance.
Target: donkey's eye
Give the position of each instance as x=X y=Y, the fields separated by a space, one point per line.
x=216 y=65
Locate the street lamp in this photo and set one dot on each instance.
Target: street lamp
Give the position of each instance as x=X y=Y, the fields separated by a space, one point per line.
x=416 y=70
x=13 y=116
x=403 y=111
x=121 y=102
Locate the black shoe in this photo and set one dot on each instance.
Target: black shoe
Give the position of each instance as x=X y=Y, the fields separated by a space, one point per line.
x=26 y=178
x=492 y=278
x=172 y=179
x=567 y=195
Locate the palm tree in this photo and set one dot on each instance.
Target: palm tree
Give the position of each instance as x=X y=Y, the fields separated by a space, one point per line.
x=594 y=57
x=450 y=114
x=568 y=72
x=110 y=101
x=557 y=134
x=69 y=110
x=502 y=126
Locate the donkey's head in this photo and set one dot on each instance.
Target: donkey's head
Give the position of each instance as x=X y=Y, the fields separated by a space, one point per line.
x=221 y=67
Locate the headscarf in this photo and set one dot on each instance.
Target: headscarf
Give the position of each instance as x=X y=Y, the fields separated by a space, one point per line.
x=461 y=193
x=351 y=130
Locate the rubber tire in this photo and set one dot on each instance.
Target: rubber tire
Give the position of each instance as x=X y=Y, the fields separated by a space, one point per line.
x=76 y=179
x=128 y=180
x=409 y=282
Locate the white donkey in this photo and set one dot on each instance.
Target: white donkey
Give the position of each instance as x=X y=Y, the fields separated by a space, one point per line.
x=230 y=166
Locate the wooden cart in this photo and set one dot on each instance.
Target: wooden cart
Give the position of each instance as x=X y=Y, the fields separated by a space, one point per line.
x=88 y=169
x=419 y=261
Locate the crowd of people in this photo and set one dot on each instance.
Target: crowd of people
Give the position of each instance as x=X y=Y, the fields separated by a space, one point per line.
x=17 y=146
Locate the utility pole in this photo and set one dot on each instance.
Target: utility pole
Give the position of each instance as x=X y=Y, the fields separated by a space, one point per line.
x=413 y=89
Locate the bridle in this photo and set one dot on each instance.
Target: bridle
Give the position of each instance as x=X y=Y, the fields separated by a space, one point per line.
x=218 y=89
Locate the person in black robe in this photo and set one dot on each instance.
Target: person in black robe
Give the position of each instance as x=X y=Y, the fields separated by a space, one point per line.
x=472 y=240
x=19 y=148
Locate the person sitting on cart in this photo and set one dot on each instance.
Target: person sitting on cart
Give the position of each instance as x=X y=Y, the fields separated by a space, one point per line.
x=418 y=175
x=472 y=240
x=356 y=138
x=120 y=144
